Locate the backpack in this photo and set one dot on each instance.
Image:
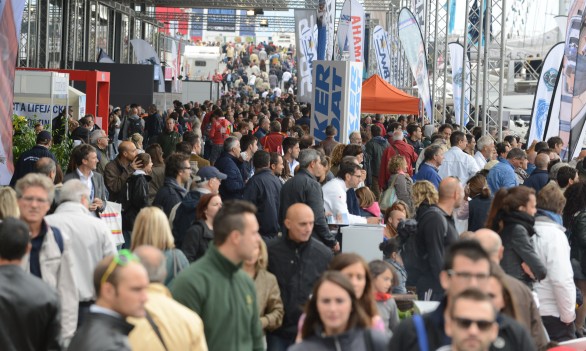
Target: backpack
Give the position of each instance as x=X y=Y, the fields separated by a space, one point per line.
x=411 y=247
x=134 y=126
x=389 y=196
x=157 y=124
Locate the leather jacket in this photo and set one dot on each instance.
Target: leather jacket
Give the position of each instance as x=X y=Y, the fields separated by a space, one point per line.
x=102 y=332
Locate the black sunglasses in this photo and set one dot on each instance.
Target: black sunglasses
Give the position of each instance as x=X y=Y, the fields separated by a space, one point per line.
x=465 y=323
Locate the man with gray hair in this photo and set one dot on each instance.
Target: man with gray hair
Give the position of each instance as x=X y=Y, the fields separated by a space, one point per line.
x=179 y=328
x=230 y=164
x=99 y=140
x=304 y=188
x=50 y=256
x=88 y=246
x=485 y=146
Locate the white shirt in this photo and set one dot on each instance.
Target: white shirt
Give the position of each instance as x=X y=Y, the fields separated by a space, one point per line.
x=292 y=165
x=480 y=159
x=459 y=164
x=286 y=76
x=88 y=182
x=557 y=292
x=335 y=200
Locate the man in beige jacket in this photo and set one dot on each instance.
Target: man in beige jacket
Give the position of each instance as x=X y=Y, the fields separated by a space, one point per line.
x=179 y=328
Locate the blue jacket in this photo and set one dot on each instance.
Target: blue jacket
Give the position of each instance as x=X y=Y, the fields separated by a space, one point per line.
x=26 y=162
x=169 y=195
x=502 y=175
x=233 y=186
x=263 y=190
x=537 y=180
x=427 y=172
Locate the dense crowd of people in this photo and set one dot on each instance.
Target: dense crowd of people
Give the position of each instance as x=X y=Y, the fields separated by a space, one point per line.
x=231 y=216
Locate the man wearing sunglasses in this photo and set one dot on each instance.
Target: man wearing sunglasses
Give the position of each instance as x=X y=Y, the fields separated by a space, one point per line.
x=121 y=284
x=472 y=322
x=466 y=266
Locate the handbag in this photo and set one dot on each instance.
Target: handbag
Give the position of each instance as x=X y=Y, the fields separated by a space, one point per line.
x=112 y=216
x=389 y=196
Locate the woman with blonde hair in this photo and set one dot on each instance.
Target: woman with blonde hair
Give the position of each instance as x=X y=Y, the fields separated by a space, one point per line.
x=8 y=203
x=424 y=195
x=152 y=228
x=137 y=140
x=268 y=294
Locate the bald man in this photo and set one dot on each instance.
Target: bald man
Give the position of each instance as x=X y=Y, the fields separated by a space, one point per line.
x=297 y=260
x=180 y=327
x=436 y=231
x=540 y=176
x=527 y=315
x=118 y=171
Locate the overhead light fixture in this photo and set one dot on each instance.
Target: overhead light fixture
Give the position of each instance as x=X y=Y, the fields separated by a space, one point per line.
x=250 y=13
x=264 y=23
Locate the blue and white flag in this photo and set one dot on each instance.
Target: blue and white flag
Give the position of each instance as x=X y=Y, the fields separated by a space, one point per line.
x=306 y=37
x=460 y=78
x=381 y=47
x=546 y=90
x=414 y=47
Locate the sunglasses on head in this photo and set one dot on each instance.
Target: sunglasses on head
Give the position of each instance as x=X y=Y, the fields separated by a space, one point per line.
x=465 y=323
x=122 y=258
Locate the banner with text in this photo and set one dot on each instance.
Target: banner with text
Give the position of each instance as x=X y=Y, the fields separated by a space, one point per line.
x=11 y=12
x=460 y=78
x=306 y=44
x=336 y=99
x=350 y=35
x=568 y=72
x=414 y=47
x=381 y=47
x=546 y=89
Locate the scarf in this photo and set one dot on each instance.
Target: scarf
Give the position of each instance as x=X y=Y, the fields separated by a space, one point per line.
x=551 y=215
x=379 y=296
x=518 y=217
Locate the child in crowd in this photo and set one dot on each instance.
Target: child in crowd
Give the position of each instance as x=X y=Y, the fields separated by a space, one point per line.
x=382 y=281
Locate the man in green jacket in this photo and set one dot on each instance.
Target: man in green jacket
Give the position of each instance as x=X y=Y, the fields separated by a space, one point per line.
x=218 y=290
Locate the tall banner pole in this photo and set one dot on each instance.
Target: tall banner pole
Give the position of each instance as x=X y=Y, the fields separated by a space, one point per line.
x=413 y=44
x=546 y=88
x=461 y=82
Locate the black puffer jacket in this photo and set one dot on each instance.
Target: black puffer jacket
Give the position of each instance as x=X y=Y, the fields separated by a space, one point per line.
x=578 y=238
x=516 y=236
x=351 y=340
x=135 y=196
x=297 y=267
x=197 y=240
x=101 y=332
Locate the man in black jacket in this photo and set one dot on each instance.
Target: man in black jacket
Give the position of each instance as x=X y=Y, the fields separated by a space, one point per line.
x=177 y=171
x=263 y=190
x=25 y=300
x=121 y=284
x=297 y=260
x=26 y=161
x=466 y=266
x=304 y=188
x=436 y=231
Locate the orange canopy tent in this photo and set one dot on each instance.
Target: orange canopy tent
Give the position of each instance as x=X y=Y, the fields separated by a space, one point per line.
x=378 y=96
